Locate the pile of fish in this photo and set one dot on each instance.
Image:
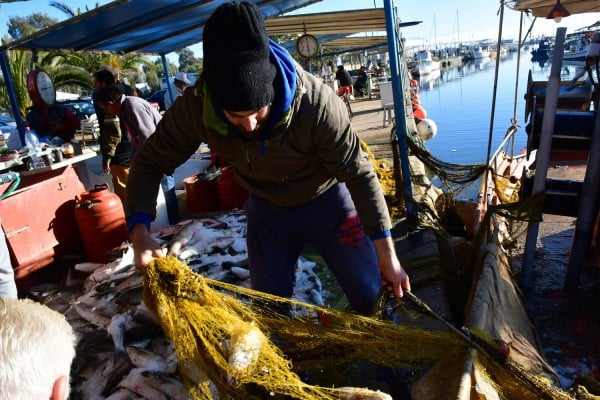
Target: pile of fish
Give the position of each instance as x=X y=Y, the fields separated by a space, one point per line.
x=121 y=352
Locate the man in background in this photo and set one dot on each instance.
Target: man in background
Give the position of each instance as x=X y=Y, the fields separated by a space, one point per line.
x=141 y=120
x=115 y=146
x=52 y=121
x=180 y=82
x=345 y=80
x=37 y=347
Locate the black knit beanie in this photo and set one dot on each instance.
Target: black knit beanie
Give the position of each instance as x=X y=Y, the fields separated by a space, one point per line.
x=237 y=66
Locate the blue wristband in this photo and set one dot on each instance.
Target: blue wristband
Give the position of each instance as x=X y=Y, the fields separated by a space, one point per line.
x=139 y=218
x=380 y=235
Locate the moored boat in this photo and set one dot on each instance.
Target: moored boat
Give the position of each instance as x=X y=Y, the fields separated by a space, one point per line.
x=425 y=64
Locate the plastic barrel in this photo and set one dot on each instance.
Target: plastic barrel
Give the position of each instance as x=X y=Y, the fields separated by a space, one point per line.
x=231 y=194
x=201 y=193
x=101 y=221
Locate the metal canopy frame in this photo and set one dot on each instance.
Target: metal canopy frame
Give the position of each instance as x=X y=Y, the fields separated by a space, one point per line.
x=541 y=8
x=347 y=22
x=139 y=26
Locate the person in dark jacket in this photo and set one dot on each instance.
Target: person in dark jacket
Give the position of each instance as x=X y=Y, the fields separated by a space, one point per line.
x=53 y=121
x=360 y=86
x=289 y=140
x=115 y=146
x=345 y=80
x=141 y=119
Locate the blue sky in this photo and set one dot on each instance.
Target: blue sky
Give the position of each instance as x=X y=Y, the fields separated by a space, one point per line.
x=443 y=20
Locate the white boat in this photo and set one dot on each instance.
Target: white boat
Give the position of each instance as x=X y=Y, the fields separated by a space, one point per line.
x=480 y=52
x=425 y=63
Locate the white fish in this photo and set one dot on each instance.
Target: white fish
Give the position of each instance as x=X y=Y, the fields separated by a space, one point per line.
x=317 y=298
x=139 y=384
x=150 y=361
x=123 y=394
x=89 y=314
x=239 y=245
x=245 y=349
x=175 y=389
x=352 y=393
x=207 y=243
x=241 y=273
x=88 y=266
x=185 y=236
x=119 y=324
x=107 y=273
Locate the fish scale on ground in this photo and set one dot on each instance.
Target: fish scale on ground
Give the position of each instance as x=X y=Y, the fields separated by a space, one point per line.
x=122 y=353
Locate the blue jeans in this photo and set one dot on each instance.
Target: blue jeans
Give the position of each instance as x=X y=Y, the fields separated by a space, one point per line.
x=276 y=236
x=8 y=287
x=168 y=186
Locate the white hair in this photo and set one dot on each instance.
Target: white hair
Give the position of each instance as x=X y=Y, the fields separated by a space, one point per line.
x=37 y=346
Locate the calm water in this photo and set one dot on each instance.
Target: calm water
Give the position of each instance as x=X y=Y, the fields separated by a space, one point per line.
x=460 y=102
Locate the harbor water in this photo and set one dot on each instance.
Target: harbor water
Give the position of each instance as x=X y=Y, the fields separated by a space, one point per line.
x=460 y=98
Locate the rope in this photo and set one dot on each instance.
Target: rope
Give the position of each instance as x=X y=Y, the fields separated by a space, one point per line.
x=493 y=111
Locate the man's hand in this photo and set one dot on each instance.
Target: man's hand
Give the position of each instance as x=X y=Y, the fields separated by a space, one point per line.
x=394 y=275
x=106 y=166
x=145 y=249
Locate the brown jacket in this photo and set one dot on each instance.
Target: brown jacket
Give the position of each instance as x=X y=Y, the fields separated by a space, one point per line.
x=310 y=148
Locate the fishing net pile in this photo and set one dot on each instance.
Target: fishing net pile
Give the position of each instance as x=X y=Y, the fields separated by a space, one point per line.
x=233 y=342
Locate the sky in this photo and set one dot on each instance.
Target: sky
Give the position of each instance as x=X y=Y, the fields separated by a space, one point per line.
x=444 y=21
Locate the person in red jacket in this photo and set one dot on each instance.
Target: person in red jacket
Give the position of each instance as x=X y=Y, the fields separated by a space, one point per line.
x=53 y=121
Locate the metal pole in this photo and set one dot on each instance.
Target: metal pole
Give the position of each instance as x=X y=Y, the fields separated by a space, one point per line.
x=543 y=154
x=12 y=96
x=400 y=128
x=163 y=58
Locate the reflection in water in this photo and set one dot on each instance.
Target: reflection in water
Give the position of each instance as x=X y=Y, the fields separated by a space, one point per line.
x=460 y=103
x=429 y=81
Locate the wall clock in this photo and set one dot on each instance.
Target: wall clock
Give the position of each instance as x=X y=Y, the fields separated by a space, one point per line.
x=307 y=46
x=40 y=88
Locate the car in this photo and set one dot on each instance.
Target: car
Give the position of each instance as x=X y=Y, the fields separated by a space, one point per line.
x=159 y=98
x=82 y=108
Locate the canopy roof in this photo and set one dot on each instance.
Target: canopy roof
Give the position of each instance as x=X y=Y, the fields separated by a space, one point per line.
x=139 y=26
x=348 y=22
x=541 y=8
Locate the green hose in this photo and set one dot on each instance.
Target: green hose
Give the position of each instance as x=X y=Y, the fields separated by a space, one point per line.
x=12 y=187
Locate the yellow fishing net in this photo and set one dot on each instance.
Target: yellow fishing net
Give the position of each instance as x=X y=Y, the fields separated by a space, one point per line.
x=233 y=343
x=229 y=333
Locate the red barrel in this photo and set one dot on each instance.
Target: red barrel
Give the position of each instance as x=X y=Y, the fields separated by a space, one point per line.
x=231 y=194
x=201 y=193
x=101 y=221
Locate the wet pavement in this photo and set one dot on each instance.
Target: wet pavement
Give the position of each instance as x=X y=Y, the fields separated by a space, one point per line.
x=567 y=322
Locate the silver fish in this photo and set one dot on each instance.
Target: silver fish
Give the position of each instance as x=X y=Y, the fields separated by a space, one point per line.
x=184 y=236
x=119 y=324
x=174 y=388
x=123 y=394
x=150 y=361
x=141 y=385
x=352 y=393
x=92 y=316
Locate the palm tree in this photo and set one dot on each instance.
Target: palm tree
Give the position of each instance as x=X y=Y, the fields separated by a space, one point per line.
x=127 y=65
x=19 y=65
